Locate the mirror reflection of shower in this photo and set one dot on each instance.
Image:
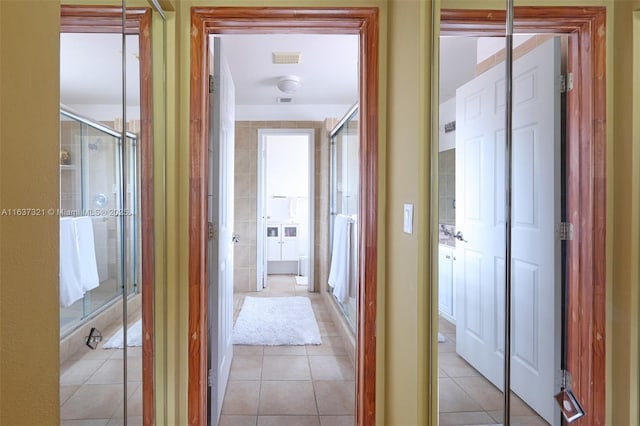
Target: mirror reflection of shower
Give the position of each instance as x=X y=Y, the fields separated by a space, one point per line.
x=343 y=275
x=90 y=179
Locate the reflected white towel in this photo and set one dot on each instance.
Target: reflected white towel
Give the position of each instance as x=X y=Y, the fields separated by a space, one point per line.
x=339 y=272
x=70 y=287
x=102 y=251
x=86 y=253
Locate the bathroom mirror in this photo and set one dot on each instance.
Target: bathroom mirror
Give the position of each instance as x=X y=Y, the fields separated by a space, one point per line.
x=106 y=159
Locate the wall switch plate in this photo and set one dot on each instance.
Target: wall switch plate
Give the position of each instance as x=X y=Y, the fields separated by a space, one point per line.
x=408 y=219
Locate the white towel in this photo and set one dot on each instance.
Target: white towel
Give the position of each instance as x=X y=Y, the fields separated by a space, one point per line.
x=339 y=272
x=70 y=287
x=86 y=253
x=102 y=250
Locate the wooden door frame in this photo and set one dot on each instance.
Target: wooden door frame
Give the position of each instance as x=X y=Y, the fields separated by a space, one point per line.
x=273 y=20
x=108 y=19
x=586 y=184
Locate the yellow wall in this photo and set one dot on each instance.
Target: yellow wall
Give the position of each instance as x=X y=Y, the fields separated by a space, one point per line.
x=624 y=186
x=29 y=151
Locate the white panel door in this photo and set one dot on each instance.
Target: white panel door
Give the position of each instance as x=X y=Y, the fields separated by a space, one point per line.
x=445 y=282
x=480 y=195
x=220 y=254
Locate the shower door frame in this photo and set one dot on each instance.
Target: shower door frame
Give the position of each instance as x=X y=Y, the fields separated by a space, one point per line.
x=108 y=19
x=586 y=178
x=362 y=21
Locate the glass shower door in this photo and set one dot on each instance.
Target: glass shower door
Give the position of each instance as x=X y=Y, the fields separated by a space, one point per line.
x=344 y=196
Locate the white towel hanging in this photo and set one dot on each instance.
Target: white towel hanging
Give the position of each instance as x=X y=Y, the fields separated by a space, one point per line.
x=339 y=272
x=70 y=287
x=86 y=253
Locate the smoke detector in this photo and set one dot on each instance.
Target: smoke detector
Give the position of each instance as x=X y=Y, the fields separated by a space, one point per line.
x=286 y=57
x=289 y=84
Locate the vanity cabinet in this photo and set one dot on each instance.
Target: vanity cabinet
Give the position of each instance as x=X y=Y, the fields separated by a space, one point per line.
x=282 y=242
x=446 y=301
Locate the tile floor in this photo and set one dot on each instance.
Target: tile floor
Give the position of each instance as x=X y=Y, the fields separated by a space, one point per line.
x=291 y=385
x=467 y=398
x=91 y=390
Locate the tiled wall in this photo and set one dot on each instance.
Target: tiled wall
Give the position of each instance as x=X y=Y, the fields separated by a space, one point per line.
x=246 y=166
x=447 y=186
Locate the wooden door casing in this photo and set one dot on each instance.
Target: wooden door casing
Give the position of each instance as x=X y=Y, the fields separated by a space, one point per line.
x=362 y=21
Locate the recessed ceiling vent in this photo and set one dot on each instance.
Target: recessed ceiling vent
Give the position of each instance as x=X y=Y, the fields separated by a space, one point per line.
x=284 y=100
x=286 y=57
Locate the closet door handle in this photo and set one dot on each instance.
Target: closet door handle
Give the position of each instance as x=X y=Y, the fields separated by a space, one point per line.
x=235 y=238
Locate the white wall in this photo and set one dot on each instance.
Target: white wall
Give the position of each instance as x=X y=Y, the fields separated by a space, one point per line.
x=287 y=186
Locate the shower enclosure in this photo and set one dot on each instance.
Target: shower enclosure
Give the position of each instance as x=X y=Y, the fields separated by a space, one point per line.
x=344 y=212
x=91 y=173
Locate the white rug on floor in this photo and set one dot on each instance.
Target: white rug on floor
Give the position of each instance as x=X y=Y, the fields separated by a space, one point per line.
x=134 y=337
x=276 y=321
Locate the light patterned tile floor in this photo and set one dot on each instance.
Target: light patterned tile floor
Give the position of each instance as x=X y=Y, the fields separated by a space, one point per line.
x=91 y=390
x=291 y=385
x=467 y=398
x=280 y=385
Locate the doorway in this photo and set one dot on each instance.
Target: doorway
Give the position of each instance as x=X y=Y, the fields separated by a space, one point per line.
x=360 y=21
x=285 y=206
x=590 y=392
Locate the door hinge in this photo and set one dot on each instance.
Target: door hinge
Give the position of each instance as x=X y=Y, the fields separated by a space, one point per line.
x=564 y=379
x=564 y=231
x=213 y=232
x=566 y=82
x=212 y=83
x=211 y=378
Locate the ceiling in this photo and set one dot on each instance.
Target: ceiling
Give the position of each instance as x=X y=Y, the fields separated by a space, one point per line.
x=91 y=72
x=328 y=73
x=460 y=55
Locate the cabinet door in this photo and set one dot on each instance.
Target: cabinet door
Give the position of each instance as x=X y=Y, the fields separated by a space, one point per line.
x=290 y=242
x=445 y=282
x=273 y=242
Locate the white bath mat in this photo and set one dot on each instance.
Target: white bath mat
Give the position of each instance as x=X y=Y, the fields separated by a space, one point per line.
x=134 y=337
x=276 y=321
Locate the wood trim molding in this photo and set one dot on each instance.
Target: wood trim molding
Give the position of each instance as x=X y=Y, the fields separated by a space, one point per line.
x=586 y=168
x=100 y=19
x=230 y=20
x=107 y=19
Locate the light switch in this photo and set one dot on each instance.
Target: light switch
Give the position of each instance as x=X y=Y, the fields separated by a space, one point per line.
x=408 y=218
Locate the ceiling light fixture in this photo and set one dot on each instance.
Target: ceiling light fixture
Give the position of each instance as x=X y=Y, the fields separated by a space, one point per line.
x=289 y=84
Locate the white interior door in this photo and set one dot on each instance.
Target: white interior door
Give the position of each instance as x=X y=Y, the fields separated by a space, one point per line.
x=480 y=197
x=220 y=249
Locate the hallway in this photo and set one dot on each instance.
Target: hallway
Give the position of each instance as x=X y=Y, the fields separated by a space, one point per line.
x=311 y=385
